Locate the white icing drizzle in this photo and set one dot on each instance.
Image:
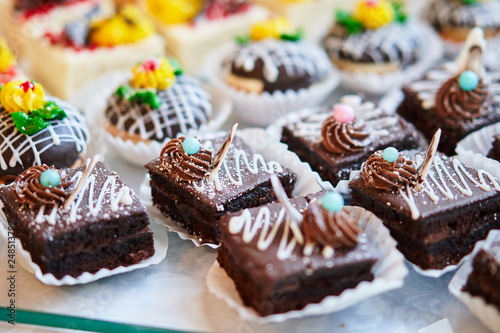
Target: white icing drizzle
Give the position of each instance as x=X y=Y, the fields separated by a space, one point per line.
x=242 y=161
x=383 y=45
x=428 y=87
x=367 y=114
x=267 y=234
x=296 y=58
x=107 y=193
x=457 y=13
x=184 y=104
x=71 y=129
x=447 y=181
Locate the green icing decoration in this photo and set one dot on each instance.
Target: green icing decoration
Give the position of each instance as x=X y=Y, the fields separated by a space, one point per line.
x=352 y=25
x=243 y=40
x=27 y=124
x=470 y=2
x=125 y=92
x=148 y=97
x=37 y=120
x=141 y=96
x=401 y=15
x=178 y=70
x=298 y=35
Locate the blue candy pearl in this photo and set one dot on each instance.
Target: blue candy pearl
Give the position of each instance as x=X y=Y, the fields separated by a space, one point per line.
x=332 y=202
x=50 y=178
x=468 y=80
x=390 y=154
x=191 y=145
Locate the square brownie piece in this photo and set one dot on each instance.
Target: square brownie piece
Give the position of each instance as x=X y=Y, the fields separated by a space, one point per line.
x=274 y=273
x=306 y=137
x=438 y=225
x=437 y=101
x=106 y=226
x=484 y=280
x=242 y=181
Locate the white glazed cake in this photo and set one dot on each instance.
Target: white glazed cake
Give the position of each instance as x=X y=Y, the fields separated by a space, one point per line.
x=81 y=48
x=193 y=39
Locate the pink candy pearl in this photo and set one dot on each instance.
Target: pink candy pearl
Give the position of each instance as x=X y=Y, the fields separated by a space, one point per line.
x=343 y=113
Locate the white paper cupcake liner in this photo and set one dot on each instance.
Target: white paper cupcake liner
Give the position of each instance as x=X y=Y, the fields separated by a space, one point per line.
x=262 y=109
x=23 y=257
x=272 y=150
x=93 y=99
x=479 y=142
x=487 y=313
x=389 y=273
x=431 y=51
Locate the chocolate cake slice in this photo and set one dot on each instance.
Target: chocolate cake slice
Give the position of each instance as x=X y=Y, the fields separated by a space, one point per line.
x=484 y=281
x=495 y=149
x=436 y=219
x=277 y=267
x=458 y=97
x=88 y=221
x=182 y=189
x=337 y=140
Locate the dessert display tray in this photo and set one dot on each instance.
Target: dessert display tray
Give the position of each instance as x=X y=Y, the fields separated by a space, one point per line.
x=173 y=296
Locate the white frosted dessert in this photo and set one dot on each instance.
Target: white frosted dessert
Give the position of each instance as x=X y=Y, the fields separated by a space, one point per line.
x=67 y=56
x=191 y=39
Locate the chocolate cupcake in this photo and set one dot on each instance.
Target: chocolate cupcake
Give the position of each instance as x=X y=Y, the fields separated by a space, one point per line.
x=376 y=38
x=495 y=149
x=158 y=103
x=453 y=19
x=272 y=71
x=38 y=130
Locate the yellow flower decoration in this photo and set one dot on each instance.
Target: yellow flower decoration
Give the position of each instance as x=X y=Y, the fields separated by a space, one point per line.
x=127 y=26
x=24 y=96
x=272 y=28
x=153 y=73
x=375 y=14
x=174 y=11
x=7 y=58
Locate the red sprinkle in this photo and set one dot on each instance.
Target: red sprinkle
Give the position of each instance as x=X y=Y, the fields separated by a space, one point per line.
x=27 y=85
x=151 y=64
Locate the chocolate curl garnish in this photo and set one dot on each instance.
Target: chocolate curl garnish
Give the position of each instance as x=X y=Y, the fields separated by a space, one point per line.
x=221 y=153
x=471 y=56
x=294 y=216
x=424 y=168
x=86 y=174
x=28 y=189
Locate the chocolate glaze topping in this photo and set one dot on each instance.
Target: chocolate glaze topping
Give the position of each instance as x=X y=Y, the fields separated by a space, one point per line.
x=340 y=138
x=182 y=166
x=383 y=175
x=338 y=230
x=452 y=101
x=29 y=191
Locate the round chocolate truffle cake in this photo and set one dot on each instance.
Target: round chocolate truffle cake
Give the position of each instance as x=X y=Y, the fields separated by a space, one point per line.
x=275 y=65
x=144 y=112
x=62 y=144
x=382 y=50
x=453 y=19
